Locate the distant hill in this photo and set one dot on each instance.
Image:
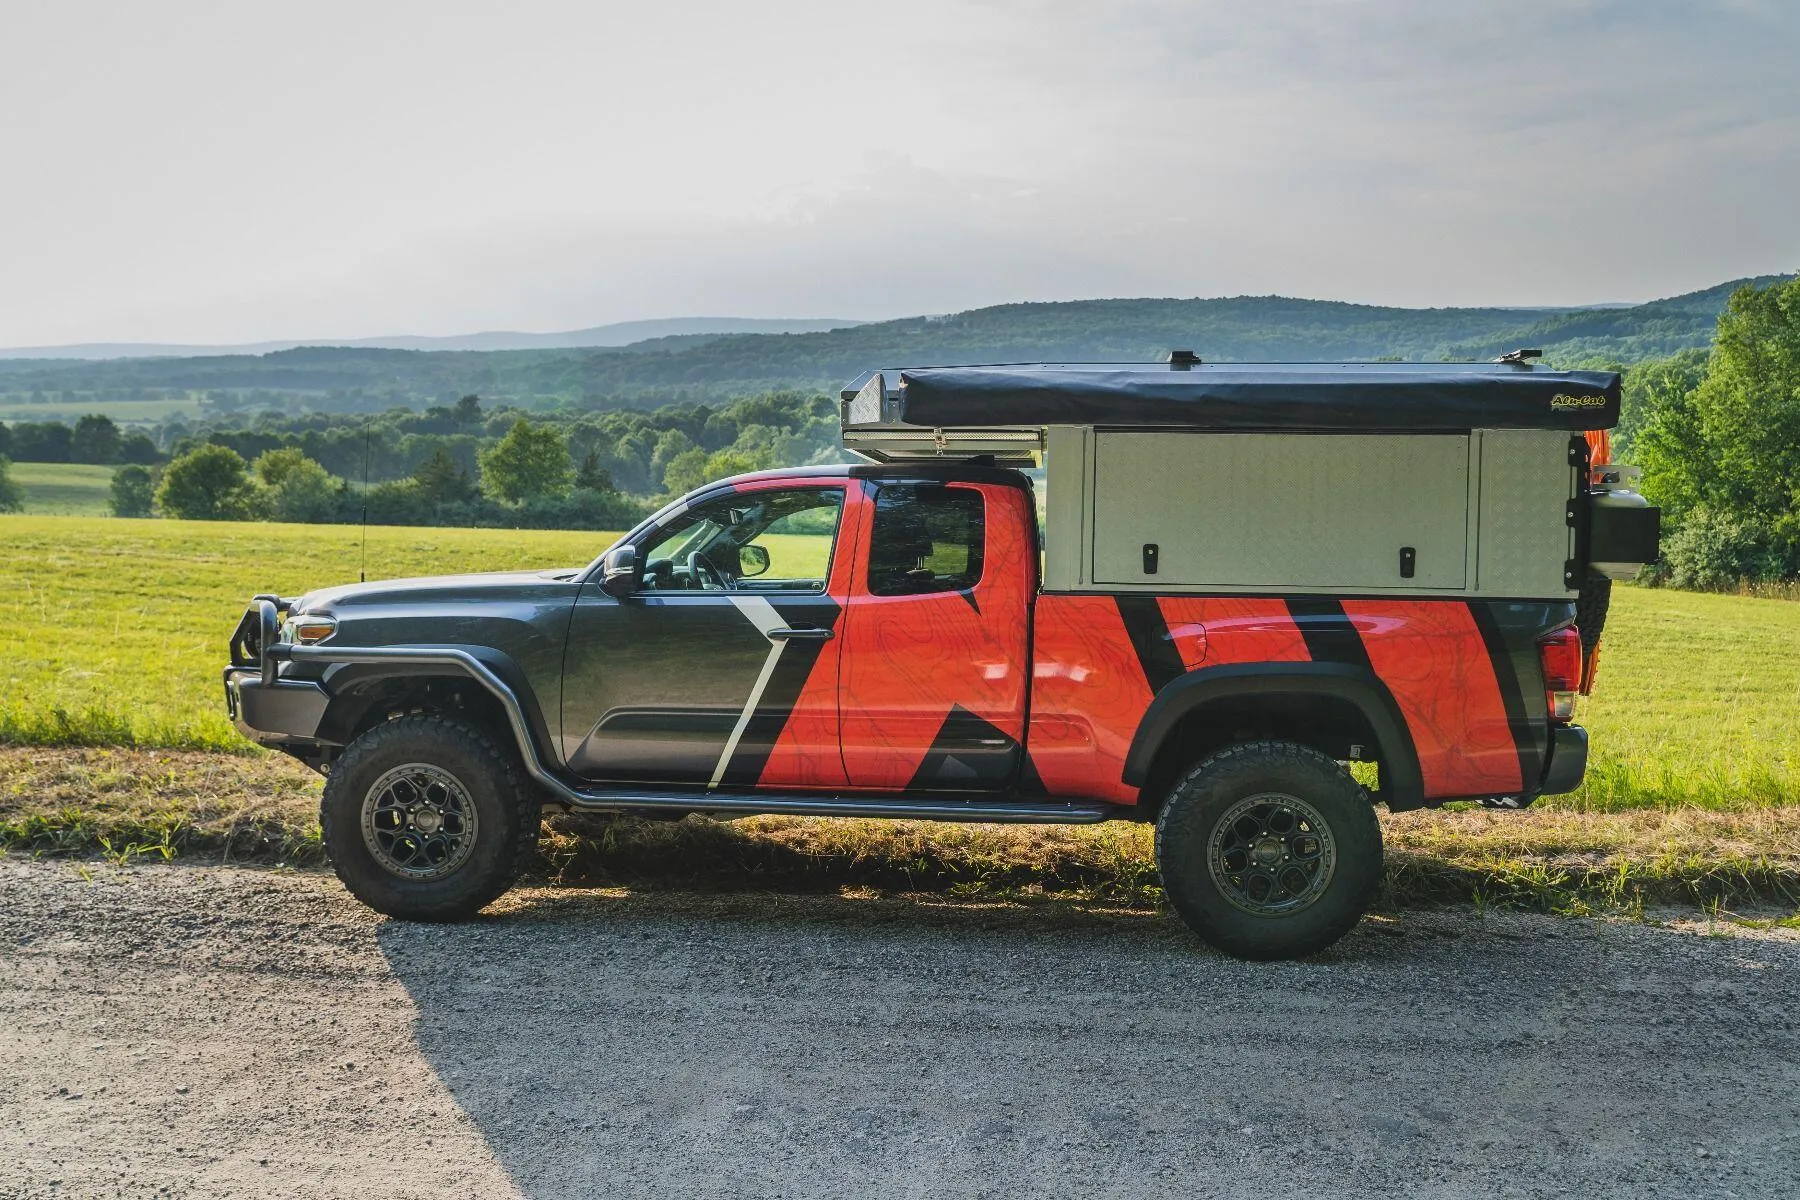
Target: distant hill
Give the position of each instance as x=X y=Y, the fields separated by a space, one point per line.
x=1241 y=328
x=688 y=363
x=622 y=333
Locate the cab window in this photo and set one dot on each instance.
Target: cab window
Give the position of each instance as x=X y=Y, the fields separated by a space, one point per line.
x=926 y=539
x=765 y=541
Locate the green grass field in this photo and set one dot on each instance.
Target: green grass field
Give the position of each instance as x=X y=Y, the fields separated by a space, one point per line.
x=126 y=412
x=64 y=489
x=113 y=632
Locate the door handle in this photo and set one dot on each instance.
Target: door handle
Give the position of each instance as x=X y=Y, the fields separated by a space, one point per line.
x=799 y=635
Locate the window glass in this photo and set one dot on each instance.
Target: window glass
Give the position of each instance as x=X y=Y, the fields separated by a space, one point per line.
x=926 y=539
x=773 y=541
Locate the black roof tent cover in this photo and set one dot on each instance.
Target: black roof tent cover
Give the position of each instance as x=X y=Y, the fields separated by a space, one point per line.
x=1391 y=397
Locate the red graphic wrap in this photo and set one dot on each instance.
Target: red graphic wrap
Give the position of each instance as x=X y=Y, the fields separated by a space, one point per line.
x=1214 y=631
x=1431 y=656
x=806 y=753
x=912 y=683
x=1088 y=695
x=908 y=661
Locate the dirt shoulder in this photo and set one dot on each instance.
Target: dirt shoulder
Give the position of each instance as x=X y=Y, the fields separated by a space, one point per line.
x=228 y=1032
x=137 y=805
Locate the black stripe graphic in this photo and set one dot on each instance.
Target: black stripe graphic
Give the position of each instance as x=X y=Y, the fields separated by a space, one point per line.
x=1512 y=694
x=1330 y=636
x=967 y=752
x=1150 y=638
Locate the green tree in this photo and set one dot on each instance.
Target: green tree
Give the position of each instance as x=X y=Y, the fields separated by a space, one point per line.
x=40 y=441
x=295 y=488
x=467 y=412
x=1729 y=447
x=138 y=448
x=669 y=447
x=529 y=462
x=208 y=483
x=95 y=439
x=133 y=492
x=11 y=498
x=441 y=479
x=687 y=471
x=1651 y=386
x=1734 y=440
x=591 y=476
x=733 y=460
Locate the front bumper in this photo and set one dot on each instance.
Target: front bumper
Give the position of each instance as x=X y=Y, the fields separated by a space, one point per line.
x=1568 y=760
x=273 y=712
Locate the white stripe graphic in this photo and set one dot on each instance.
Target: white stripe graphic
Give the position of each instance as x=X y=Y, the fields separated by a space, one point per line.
x=761 y=614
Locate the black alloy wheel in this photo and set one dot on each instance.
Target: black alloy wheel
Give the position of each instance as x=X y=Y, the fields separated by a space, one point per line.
x=1269 y=850
x=428 y=819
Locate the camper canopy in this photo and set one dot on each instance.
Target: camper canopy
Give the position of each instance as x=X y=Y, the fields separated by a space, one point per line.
x=1264 y=397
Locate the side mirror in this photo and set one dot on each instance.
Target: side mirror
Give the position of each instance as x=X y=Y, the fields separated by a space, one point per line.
x=619 y=572
x=752 y=561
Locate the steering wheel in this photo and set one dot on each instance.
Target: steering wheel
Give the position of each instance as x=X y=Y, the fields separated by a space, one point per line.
x=705 y=574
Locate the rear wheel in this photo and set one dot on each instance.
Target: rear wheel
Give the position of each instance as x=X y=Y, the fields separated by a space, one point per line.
x=427 y=819
x=1269 y=850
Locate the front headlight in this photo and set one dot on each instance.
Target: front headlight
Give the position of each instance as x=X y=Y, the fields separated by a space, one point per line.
x=308 y=629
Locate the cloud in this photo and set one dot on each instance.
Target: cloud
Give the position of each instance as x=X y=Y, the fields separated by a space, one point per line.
x=221 y=173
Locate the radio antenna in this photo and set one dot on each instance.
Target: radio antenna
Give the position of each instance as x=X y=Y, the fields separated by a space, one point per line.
x=362 y=568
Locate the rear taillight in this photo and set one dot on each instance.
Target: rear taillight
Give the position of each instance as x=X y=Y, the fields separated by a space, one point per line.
x=1560 y=653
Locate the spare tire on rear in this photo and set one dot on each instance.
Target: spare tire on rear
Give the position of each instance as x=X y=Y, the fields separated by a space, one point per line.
x=1591 y=603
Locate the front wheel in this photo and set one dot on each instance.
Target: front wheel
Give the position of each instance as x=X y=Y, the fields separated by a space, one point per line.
x=426 y=819
x=1269 y=850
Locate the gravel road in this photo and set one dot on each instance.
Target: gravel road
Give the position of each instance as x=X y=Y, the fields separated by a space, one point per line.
x=208 y=1031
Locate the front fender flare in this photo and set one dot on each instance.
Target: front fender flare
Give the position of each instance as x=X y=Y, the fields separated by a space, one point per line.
x=492 y=670
x=1402 y=785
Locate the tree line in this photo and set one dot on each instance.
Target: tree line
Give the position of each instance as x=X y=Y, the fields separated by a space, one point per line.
x=459 y=464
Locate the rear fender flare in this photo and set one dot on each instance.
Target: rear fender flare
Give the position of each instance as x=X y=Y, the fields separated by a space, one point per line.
x=1402 y=785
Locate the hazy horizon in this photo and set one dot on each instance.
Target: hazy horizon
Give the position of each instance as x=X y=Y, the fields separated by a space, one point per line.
x=352 y=340
x=206 y=174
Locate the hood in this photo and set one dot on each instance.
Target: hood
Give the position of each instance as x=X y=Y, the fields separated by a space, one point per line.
x=430 y=586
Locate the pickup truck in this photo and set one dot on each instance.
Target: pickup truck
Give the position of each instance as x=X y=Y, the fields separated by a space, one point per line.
x=899 y=639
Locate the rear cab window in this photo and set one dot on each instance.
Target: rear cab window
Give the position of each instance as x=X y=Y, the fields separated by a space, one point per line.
x=926 y=539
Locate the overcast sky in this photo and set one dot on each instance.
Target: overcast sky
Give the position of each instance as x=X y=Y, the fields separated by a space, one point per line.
x=209 y=172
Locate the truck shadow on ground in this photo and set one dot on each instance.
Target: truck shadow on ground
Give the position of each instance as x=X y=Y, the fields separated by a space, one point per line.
x=1072 y=871
x=630 y=1043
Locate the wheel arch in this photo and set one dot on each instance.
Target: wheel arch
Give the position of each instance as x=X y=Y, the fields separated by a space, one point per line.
x=368 y=688
x=1327 y=706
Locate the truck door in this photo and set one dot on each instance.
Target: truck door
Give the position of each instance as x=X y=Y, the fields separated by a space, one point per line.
x=934 y=665
x=721 y=670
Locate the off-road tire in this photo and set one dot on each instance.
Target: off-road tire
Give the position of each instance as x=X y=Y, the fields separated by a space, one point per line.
x=1197 y=807
x=507 y=813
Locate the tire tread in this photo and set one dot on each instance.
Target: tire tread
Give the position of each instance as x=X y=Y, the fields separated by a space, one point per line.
x=506 y=778
x=1185 y=882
